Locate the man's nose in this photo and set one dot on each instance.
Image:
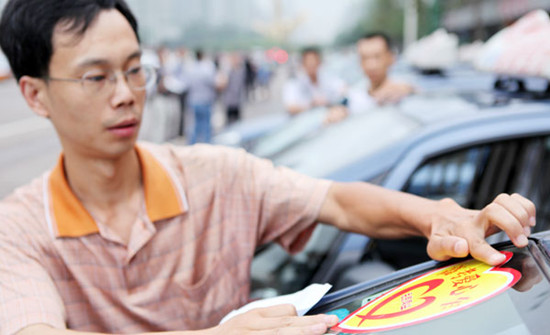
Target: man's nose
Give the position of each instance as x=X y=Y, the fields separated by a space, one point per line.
x=123 y=93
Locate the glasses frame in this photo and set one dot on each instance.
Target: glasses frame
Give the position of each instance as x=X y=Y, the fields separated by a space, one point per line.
x=151 y=74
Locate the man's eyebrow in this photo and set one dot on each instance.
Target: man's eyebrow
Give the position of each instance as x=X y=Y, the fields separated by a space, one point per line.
x=102 y=61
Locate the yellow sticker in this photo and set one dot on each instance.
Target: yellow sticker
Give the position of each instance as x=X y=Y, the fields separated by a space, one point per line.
x=432 y=295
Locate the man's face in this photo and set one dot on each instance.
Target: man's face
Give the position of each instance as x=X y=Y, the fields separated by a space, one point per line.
x=102 y=124
x=375 y=58
x=311 y=62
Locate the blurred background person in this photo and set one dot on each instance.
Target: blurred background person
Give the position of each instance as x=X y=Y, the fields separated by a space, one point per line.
x=234 y=88
x=250 y=77
x=202 y=94
x=376 y=58
x=311 y=87
x=173 y=80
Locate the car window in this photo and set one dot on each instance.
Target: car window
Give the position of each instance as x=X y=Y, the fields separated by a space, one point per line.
x=474 y=176
x=343 y=143
x=300 y=126
x=275 y=272
x=521 y=309
x=449 y=176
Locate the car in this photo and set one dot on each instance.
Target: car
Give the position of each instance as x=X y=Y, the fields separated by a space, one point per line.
x=468 y=147
x=458 y=139
x=462 y=296
x=290 y=131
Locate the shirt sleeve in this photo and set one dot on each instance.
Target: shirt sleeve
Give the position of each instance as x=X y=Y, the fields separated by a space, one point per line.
x=289 y=202
x=27 y=293
x=292 y=95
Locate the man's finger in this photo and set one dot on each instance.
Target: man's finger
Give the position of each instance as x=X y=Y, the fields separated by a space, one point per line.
x=317 y=329
x=529 y=207
x=296 y=321
x=482 y=251
x=442 y=248
x=495 y=214
x=277 y=311
x=515 y=207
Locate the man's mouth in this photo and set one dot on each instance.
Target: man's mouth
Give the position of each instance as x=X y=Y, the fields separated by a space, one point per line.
x=125 y=128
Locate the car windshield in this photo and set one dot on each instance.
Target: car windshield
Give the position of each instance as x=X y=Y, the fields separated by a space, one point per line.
x=300 y=126
x=521 y=309
x=364 y=134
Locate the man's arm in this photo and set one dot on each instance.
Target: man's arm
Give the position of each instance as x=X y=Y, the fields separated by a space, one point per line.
x=452 y=230
x=392 y=92
x=276 y=320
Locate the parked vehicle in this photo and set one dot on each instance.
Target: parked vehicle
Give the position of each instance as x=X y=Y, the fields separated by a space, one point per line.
x=488 y=143
x=456 y=297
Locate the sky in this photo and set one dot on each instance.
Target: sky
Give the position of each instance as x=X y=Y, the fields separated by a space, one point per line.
x=324 y=19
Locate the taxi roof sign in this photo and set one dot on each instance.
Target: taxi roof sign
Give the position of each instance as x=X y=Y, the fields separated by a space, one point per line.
x=522 y=49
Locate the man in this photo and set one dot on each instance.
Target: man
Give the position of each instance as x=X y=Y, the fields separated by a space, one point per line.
x=126 y=238
x=376 y=57
x=312 y=88
x=202 y=95
x=234 y=88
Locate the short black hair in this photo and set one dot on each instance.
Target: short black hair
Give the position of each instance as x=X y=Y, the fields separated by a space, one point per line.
x=199 y=54
x=379 y=34
x=311 y=50
x=27 y=26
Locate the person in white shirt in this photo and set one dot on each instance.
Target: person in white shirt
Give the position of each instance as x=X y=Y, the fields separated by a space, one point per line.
x=313 y=88
x=376 y=57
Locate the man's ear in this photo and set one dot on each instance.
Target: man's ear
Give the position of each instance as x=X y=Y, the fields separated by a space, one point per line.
x=393 y=57
x=34 y=92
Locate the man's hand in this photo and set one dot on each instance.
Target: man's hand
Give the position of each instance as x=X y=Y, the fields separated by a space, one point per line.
x=457 y=232
x=335 y=114
x=278 y=320
x=319 y=101
x=391 y=92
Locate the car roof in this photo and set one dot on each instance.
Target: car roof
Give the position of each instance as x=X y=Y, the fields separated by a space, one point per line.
x=447 y=136
x=387 y=132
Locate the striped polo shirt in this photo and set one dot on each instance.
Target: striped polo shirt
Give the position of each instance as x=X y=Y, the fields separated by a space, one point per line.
x=187 y=262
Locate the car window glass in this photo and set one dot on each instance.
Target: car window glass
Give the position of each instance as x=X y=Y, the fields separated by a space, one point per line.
x=451 y=175
x=300 y=126
x=275 y=272
x=534 y=181
x=368 y=132
x=521 y=309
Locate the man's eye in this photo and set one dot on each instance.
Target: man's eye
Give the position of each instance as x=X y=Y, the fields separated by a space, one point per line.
x=95 y=78
x=134 y=70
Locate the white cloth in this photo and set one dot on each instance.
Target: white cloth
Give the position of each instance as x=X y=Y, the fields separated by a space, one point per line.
x=359 y=99
x=302 y=300
x=300 y=91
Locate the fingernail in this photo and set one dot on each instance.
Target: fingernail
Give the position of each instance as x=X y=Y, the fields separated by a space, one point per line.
x=331 y=320
x=497 y=259
x=521 y=240
x=532 y=221
x=527 y=231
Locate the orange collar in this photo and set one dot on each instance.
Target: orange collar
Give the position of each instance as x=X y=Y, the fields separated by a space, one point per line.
x=164 y=198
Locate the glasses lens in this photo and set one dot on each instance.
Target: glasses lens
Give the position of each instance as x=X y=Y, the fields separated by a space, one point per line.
x=94 y=81
x=141 y=77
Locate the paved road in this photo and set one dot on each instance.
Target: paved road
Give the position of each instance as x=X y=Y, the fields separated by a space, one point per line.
x=29 y=145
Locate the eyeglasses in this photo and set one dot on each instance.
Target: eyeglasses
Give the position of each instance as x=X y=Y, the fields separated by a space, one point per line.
x=138 y=78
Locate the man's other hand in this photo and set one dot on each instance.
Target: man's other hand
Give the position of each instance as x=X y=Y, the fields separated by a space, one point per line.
x=277 y=320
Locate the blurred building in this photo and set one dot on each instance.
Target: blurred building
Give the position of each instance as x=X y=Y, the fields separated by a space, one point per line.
x=167 y=20
x=480 y=19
